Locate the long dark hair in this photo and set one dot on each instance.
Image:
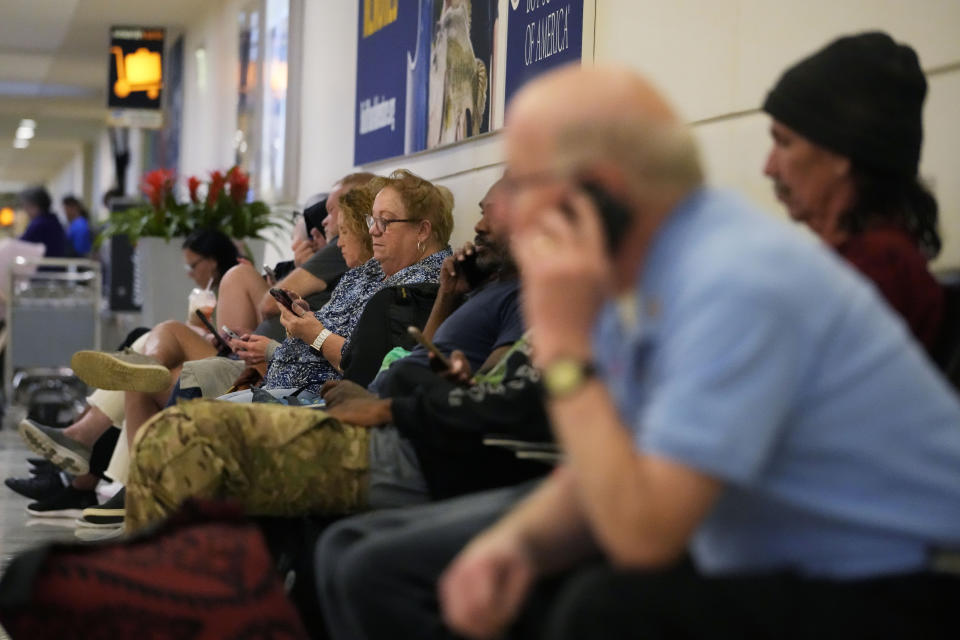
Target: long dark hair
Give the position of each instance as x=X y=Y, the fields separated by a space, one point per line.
x=906 y=202
x=213 y=244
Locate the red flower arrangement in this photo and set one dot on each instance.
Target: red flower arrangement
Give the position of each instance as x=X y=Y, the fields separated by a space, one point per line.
x=218 y=203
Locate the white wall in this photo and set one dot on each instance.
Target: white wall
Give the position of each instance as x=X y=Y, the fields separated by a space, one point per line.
x=714 y=58
x=69 y=180
x=210 y=109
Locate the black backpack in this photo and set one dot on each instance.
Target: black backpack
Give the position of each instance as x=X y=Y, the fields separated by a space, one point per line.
x=383 y=326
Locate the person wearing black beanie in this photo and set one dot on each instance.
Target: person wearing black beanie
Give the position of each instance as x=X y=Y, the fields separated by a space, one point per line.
x=847 y=135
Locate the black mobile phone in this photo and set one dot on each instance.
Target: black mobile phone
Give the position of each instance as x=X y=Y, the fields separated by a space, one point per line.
x=284 y=298
x=313 y=216
x=222 y=347
x=615 y=216
x=429 y=346
x=471 y=270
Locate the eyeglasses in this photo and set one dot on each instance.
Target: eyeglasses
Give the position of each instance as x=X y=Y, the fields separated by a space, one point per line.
x=381 y=224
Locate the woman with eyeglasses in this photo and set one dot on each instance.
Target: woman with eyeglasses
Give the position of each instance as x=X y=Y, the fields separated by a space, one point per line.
x=207 y=255
x=410 y=225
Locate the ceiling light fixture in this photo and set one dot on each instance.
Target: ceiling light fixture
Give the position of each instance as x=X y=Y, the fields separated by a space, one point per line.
x=24 y=133
x=27 y=122
x=20 y=143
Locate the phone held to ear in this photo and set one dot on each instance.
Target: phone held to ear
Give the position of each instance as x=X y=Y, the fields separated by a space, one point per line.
x=615 y=216
x=281 y=296
x=429 y=346
x=471 y=271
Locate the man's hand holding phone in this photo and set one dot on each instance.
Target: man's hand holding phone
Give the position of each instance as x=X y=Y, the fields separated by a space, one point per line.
x=566 y=273
x=453 y=278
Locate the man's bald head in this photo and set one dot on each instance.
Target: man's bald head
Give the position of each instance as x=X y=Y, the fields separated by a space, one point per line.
x=574 y=118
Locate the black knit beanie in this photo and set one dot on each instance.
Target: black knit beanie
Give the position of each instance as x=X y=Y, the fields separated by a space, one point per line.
x=860 y=96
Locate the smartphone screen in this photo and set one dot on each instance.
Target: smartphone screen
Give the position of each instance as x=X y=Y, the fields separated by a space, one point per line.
x=429 y=346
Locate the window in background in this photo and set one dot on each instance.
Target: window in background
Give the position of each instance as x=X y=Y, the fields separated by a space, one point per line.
x=263 y=144
x=246 y=140
x=273 y=149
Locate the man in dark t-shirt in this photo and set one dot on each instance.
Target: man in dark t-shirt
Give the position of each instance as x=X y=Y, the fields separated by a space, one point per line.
x=44 y=227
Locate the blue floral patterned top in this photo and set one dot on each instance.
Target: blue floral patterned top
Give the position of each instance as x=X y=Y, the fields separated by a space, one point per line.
x=295 y=364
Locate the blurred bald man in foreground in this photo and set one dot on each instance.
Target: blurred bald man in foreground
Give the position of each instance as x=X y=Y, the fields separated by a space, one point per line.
x=755 y=447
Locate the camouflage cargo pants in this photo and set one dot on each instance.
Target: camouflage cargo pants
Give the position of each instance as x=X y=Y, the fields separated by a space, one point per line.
x=273 y=459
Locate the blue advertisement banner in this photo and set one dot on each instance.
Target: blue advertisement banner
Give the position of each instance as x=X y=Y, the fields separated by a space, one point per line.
x=424 y=67
x=387 y=35
x=541 y=34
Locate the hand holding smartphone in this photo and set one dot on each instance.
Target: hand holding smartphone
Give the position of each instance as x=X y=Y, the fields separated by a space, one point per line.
x=429 y=346
x=270 y=274
x=222 y=346
x=229 y=332
x=284 y=298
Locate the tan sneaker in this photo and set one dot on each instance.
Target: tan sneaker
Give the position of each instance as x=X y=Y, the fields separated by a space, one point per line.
x=120 y=371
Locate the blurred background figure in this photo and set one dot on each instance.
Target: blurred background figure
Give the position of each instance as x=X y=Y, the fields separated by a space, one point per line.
x=44 y=227
x=79 y=233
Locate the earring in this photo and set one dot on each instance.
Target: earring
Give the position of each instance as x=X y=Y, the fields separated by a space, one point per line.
x=420 y=246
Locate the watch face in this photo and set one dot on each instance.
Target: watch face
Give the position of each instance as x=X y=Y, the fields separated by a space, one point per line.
x=563 y=377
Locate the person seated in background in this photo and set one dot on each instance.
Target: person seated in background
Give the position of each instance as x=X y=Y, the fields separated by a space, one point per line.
x=79 y=233
x=404 y=254
x=487 y=323
x=808 y=462
x=318 y=271
x=425 y=440
x=410 y=225
x=206 y=255
x=476 y=303
x=44 y=227
x=847 y=133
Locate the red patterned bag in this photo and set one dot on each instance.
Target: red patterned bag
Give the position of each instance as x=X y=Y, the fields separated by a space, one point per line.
x=207 y=580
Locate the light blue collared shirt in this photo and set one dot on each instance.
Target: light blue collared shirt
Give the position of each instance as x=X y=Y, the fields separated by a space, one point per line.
x=753 y=354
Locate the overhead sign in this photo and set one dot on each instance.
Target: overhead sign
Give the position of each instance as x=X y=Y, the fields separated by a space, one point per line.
x=135 y=80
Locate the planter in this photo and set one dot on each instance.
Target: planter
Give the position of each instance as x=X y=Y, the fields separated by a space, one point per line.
x=160 y=285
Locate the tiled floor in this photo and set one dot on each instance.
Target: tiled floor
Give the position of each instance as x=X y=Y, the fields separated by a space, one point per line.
x=18 y=531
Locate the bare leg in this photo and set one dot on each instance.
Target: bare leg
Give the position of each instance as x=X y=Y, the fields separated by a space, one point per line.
x=86 y=482
x=91 y=425
x=140 y=407
x=172 y=343
x=241 y=290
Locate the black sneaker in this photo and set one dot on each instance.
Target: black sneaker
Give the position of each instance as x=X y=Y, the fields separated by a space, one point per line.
x=43 y=467
x=108 y=515
x=41 y=487
x=68 y=503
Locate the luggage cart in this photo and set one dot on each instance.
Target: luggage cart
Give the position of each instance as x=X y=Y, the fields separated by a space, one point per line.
x=53 y=311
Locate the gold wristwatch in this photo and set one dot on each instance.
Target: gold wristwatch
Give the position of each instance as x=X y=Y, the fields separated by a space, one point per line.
x=564 y=376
